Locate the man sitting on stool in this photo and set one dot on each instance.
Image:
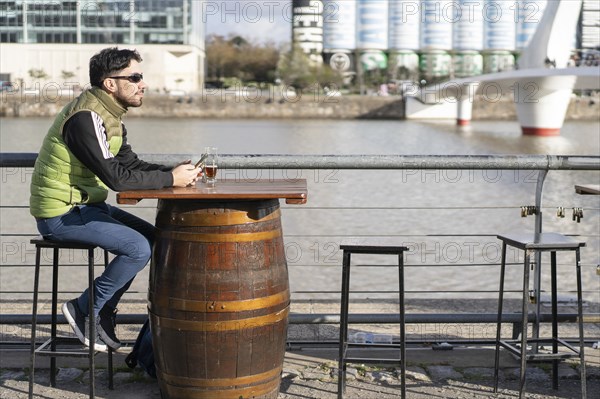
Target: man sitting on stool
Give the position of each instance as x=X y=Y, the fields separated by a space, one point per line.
x=84 y=153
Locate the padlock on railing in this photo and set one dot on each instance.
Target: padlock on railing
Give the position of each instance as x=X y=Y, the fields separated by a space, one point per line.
x=528 y=210
x=577 y=214
x=532 y=297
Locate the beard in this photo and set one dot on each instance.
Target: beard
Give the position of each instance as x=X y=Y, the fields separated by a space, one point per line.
x=131 y=98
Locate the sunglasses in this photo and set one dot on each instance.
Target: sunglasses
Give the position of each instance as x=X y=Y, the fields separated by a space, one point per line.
x=133 y=78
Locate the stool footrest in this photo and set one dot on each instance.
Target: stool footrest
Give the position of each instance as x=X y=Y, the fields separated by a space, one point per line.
x=510 y=345
x=371 y=360
x=372 y=345
x=46 y=350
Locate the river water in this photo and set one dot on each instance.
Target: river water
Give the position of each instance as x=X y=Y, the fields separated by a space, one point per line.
x=448 y=219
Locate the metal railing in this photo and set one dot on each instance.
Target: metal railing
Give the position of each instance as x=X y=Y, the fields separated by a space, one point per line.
x=542 y=164
x=279 y=161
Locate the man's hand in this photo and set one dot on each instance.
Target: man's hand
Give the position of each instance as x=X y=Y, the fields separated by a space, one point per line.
x=185 y=175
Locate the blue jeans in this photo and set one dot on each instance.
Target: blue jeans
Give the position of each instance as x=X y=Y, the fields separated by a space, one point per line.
x=121 y=233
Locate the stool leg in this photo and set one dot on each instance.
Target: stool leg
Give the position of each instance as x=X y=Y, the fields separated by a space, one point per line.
x=344 y=324
x=554 y=319
x=92 y=320
x=402 y=325
x=580 y=316
x=53 y=325
x=36 y=283
x=499 y=318
x=110 y=351
x=524 y=321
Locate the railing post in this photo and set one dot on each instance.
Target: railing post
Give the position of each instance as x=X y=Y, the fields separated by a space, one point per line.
x=537 y=276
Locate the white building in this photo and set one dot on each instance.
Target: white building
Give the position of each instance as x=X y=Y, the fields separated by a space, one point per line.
x=50 y=43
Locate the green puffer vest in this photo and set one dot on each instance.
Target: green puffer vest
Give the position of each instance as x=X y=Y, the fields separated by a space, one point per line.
x=60 y=181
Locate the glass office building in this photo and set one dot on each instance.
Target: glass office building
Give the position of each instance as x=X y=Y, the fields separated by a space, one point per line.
x=102 y=21
x=57 y=36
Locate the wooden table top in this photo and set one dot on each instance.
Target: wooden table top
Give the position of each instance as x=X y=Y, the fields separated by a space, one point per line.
x=293 y=191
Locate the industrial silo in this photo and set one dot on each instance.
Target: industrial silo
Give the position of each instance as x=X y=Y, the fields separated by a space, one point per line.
x=404 y=37
x=436 y=38
x=339 y=35
x=372 y=33
x=307 y=27
x=589 y=32
x=530 y=15
x=499 y=35
x=467 y=38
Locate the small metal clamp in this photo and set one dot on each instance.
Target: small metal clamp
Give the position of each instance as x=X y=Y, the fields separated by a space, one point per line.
x=528 y=210
x=577 y=214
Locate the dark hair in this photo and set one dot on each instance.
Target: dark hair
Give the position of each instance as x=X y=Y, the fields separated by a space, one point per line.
x=109 y=61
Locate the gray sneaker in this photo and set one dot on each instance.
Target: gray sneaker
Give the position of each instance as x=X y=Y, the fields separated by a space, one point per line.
x=79 y=322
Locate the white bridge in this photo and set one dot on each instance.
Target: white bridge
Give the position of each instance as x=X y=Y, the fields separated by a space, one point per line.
x=541 y=87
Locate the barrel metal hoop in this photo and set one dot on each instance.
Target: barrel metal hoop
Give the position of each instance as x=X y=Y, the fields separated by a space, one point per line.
x=225 y=325
x=213 y=219
x=258 y=391
x=188 y=305
x=236 y=237
x=262 y=378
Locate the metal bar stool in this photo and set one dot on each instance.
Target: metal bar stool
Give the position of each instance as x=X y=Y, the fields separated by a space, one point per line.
x=530 y=244
x=378 y=247
x=50 y=347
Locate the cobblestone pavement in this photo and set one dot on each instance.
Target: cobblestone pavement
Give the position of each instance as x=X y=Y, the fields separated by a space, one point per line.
x=312 y=373
x=310 y=370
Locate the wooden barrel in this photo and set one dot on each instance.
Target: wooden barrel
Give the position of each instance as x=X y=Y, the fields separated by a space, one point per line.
x=219 y=299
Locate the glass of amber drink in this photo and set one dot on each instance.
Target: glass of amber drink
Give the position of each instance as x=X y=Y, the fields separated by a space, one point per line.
x=211 y=165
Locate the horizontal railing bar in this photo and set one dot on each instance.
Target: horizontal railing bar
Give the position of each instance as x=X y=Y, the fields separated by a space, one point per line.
x=353 y=292
x=353 y=208
x=395 y=293
x=431 y=292
x=415 y=235
x=365 y=208
x=353 y=235
x=337 y=292
x=365 y=161
x=353 y=318
x=337 y=265
x=332 y=266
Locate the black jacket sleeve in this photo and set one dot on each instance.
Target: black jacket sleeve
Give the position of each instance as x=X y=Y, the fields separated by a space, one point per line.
x=85 y=136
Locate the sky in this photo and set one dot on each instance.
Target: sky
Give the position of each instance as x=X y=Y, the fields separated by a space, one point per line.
x=259 y=21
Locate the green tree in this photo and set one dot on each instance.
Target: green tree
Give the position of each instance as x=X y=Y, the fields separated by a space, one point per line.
x=235 y=57
x=260 y=63
x=295 y=68
x=38 y=73
x=66 y=75
x=221 y=58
